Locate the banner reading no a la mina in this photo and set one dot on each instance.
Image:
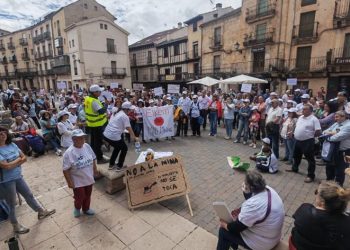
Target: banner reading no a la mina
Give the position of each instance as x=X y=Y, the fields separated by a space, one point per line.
x=158 y=122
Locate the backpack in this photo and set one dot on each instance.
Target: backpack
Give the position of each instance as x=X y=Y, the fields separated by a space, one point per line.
x=36 y=143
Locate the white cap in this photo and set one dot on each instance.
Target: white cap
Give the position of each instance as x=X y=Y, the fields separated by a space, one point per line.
x=72 y=106
x=254 y=108
x=62 y=113
x=95 y=88
x=184 y=92
x=246 y=100
x=297 y=90
x=281 y=100
x=151 y=101
x=195 y=96
x=78 y=133
x=115 y=110
x=273 y=93
x=133 y=107
x=266 y=140
x=291 y=101
x=305 y=96
x=168 y=98
x=126 y=105
x=140 y=100
x=292 y=110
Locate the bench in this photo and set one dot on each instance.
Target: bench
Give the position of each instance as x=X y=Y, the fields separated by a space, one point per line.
x=113 y=180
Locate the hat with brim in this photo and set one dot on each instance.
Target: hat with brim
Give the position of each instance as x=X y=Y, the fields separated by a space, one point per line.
x=42 y=112
x=78 y=133
x=246 y=100
x=292 y=110
x=62 y=113
x=266 y=140
x=72 y=106
x=305 y=96
x=126 y=105
x=95 y=88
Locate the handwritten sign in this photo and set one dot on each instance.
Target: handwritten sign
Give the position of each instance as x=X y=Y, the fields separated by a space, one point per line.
x=173 y=88
x=158 y=91
x=137 y=86
x=61 y=85
x=292 y=81
x=114 y=85
x=155 y=181
x=246 y=88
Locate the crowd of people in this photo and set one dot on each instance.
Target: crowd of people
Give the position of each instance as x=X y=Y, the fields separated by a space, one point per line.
x=309 y=126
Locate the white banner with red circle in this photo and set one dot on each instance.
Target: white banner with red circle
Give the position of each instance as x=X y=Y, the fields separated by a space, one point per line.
x=158 y=122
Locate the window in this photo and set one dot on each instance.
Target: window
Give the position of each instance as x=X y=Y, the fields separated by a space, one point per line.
x=47 y=28
x=73 y=43
x=303 y=58
x=165 y=52
x=195 y=49
x=261 y=32
x=105 y=26
x=195 y=26
x=134 y=59
x=36 y=32
x=95 y=7
x=196 y=69
x=263 y=7
x=346 y=51
x=70 y=44
x=178 y=73
x=217 y=63
x=176 y=49
x=259 y=61
x=58 y=28
x=149 y=57
x=110 y=45
x=217 y=36
x=307 y=24
x=45 y=66
x=114 y=67
x=307 y=2
x=85 y=6
x=101 y=26
x=41 y=30
x=167 y=71
x=75 y=67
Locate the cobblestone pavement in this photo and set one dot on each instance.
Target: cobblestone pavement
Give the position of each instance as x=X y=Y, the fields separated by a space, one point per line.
x=211 y=179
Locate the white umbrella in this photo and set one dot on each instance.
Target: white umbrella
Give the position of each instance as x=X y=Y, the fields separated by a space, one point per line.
x=207 y=81
x=242 y=79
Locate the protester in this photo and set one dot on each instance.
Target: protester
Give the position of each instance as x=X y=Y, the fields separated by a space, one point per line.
x=19 y=127
x=79 y=169
x=204 y=102
x=254 y=125
x=215 y=111
x=229 y=117
x=273 y=120
x=260 y=221
x=267 y=162
x=48 y=126
x=287 y=134
x=243 y=125
x=238 y=102
x=185 y=104
x=195 y=114
x=65 y=129
x=11 y=181
x=323 y=225
x=262 y=121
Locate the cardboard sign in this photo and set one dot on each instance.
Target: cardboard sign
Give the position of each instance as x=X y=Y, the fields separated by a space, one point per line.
x=292 y=81
x=246 y=88
x=173 y=88
x=155 y=181
x=61 y=85
x=114 y=85
x=137 y=86
x=158 y=91
x=158 y=122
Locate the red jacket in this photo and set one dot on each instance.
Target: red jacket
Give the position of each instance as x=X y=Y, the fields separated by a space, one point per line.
x=218 y=107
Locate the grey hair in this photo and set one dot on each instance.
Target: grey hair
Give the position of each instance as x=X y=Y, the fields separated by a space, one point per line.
x=255 y=181
x=341 y=113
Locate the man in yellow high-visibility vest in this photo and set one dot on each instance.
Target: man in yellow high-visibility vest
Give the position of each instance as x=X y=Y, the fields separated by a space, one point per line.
x=96 y=121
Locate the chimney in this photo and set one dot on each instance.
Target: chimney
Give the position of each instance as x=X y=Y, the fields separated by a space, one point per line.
x=179 y=25
x=219 y=6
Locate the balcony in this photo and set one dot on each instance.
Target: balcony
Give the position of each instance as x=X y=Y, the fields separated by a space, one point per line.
x=338 y=60
x=46 y=72
x=39 y=38
x=305 y=34
x=61 y=70
x=13 y=59
x=111 y=48
x=23 y=41
x=46 y=35
x=2 y=47
x=341 y=16
x=25 y=57
x=4 y=60
x=258 y=13
x=60 y=61
x=43 y=55
x=254 y=39
x=172 y=59
x=7 y=75
x=11 y=46
x=26 y=72
x=180 y=77
x=118 y=73
x=216 y=43
x=308 y=65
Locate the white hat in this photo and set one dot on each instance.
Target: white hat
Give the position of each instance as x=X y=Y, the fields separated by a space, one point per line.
x=72 y=106
x=292 y=110
x=115 y=110
x=168 y=98
x=62 y=113
x=246 y=100
x=273 y=93
x=78 y=133
x=254 y=108
x=266 y=140
x=95 y=88
x=291 y=101
x=151 y=101
x=133 y=107
x=127 y=90
x=195 y=96
x=305 y=96
x=184 y=92
x=297 y=90
x=280 y=99
x=126 y=105
x=140 y=100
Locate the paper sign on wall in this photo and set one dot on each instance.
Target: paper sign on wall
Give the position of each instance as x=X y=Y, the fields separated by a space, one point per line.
x=158 y=91
x=246 y=88
x=292 y=81
x=114 y=85
x=138 y=86
x=173 y=88
x=61 y=84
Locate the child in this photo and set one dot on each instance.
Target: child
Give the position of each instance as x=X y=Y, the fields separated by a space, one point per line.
x=266 y=143
x=254 y=125
x=267 y=162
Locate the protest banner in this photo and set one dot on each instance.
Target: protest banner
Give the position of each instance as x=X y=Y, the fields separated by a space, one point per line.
x=158 y=91
x=292 y=81
x=156 y=180
x=158 y=122
x=173 y=88
x=114 y=85
x=61 y=85
x=137 y=86
x=246 y=88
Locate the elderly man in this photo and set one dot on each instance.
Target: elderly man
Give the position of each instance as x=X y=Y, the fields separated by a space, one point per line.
x=185 y=104
x=194 y=114
x=307 y=128
x=304 y=100
x=339 y=132
x=273 y=120
x=19 y=127
x=204 y=102
x=96 y=120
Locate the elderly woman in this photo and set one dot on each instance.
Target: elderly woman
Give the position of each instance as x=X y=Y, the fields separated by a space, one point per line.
x=323 y=226
x=65 y=128
x=11 y=181
x=339 y=132
x=79 y=169
x=260 y=220
x=19 y=127
x=48 y=126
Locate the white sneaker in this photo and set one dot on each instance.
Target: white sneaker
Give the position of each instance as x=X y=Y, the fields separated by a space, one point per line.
x=251 y=144
x=227 y=138
x=254 y=145
x=59 y=152
x=244 y=143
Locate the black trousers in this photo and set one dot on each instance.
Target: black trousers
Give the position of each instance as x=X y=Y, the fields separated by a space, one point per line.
x=96 y=134
x=228 y=239
x=204 y=114
x=305 y=148
x=336 y=171
x=196 y=127
x=118 y=147
x=182 y=125
x=235 y=120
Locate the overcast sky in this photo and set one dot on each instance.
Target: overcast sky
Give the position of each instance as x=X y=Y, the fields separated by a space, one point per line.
x=140 y=17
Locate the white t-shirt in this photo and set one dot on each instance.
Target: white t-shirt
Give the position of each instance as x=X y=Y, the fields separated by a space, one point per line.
x=267 y=234
x=73 y=118
x=65 y=130
x=273 y=113
x=80 y=163
x=306 y=127
x=116 y=126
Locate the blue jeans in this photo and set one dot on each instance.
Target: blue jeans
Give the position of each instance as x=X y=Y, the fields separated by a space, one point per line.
x=229 y=127
x=8 y=193
x=213 y=117
x=275 y=142
x=290 y=143
x=243 y=126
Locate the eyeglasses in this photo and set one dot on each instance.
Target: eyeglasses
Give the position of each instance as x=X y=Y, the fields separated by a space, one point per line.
x=316 y=192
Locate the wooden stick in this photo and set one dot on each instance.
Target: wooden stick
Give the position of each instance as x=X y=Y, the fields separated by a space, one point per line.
x=189 y=204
